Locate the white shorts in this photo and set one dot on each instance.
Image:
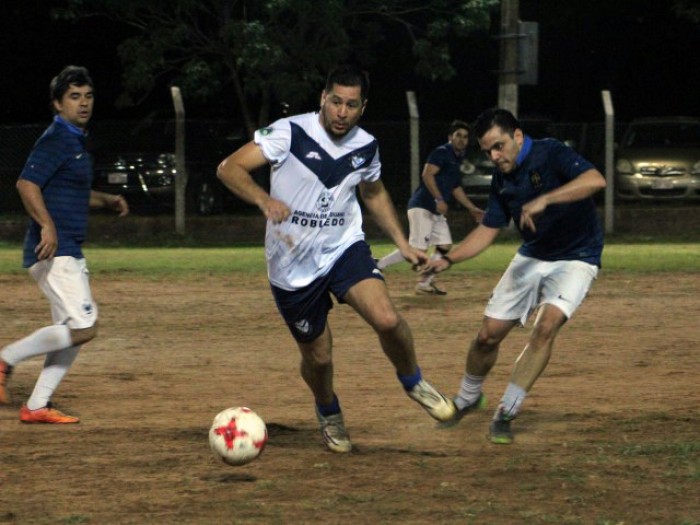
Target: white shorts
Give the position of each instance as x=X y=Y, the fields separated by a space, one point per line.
x=65 y=282
x=529 y=283
x=427 y=229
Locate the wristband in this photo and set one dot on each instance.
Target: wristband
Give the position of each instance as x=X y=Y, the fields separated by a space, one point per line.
x=439 y=198
x=450 y=262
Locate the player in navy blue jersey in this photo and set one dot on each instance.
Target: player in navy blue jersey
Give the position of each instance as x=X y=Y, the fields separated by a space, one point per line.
x=440 y=187
x=55 y=187
x=546 y=188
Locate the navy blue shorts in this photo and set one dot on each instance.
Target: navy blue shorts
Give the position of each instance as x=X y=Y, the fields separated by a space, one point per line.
x=306 y=310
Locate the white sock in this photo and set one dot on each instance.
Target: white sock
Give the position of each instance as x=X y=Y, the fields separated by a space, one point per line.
x=56 y=366
x=470 y=390
x=511 y=401
x=394 y=257
x=43 y=341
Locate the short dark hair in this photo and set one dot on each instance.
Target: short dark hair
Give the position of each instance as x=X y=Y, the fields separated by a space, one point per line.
x=75 y=75
x=502 y=118
x=349 y=75
x=458 y=124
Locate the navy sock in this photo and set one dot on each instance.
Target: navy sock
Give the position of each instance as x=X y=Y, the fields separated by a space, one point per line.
x=330 y=409
x=409 y=382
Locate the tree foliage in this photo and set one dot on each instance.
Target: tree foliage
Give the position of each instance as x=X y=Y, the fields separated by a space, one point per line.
x=273 y=51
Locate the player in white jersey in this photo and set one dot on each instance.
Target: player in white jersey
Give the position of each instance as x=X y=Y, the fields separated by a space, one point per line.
x=315 y=244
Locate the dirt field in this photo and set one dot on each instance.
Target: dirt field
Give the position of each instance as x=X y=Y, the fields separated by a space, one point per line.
x=608 y=436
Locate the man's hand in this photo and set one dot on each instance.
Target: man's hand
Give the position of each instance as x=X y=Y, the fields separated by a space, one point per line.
x=48 y=244
x=416 y=257
x=437 y=265
x=119 y=204
x=275 y=211
x=530 y=211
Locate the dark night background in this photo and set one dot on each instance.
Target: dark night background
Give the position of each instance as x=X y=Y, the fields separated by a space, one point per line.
x=647 y=57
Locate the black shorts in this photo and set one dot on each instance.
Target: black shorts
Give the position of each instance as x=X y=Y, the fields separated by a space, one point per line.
x=306 y=310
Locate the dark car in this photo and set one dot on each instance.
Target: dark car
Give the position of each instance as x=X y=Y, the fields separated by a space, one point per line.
x=659 y=158
x=137 y=159
x=147 y=180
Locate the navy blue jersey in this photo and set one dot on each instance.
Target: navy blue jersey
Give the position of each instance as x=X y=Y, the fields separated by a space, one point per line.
x=62 y=168
x=447 y=179
x=569 y=231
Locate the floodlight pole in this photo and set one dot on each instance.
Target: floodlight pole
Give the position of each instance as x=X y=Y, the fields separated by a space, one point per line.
x=181 y=170
x=609 y=168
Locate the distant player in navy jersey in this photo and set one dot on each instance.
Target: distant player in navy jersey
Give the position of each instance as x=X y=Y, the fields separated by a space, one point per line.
x=546 y=189
x=427 y=208
x=315 y=244
x=55 y=187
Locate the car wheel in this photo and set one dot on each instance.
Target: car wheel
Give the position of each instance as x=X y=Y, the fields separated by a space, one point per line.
x=207 y=200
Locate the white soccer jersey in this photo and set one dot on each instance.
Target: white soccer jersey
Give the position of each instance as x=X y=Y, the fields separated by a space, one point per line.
x=315 y=176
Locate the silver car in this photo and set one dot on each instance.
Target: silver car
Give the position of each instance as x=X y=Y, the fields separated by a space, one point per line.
x=659 y=158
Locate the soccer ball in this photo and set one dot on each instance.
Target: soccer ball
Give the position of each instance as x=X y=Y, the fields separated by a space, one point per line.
x=237 y=436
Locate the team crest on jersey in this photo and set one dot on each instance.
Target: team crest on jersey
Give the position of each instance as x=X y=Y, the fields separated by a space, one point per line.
x=265 y=131
x=325 y=200
x=357 y=161
x=535 y=180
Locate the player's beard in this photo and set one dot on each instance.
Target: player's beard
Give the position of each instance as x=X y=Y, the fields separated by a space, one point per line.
x=337 y=129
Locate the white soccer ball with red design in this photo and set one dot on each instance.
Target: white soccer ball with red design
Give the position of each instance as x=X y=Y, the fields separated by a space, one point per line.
x=238 y=435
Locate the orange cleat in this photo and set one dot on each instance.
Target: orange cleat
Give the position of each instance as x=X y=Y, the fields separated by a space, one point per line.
x=5 y=371
x=48 y=414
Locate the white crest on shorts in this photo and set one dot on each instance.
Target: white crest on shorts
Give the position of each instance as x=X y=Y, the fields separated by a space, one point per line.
x=303 y=326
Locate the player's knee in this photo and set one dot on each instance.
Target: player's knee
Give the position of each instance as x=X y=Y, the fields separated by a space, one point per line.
x=485 y=341
x=387 y=320
x=80 y=336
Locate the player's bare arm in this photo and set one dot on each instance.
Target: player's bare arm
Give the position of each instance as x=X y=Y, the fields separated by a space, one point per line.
x=34 y=203
x=379 y=203
x=234 y=172
x=117 y=203
x=465 y=201
x=472 y=245
x=582 y=187
x=428 y=175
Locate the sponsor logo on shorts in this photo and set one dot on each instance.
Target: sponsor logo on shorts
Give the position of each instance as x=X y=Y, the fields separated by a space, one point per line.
x=87 y=308
x=303 y=326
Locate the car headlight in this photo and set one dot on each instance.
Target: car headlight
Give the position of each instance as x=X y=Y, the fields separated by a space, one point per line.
x=624 y=166
x=695 y=170
x=467 y=168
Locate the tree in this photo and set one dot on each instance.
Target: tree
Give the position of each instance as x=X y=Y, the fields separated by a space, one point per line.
x=274 y=50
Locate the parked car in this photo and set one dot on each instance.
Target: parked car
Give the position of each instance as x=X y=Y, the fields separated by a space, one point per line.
x=659 y=158
x=136 y=158
x=147 y=180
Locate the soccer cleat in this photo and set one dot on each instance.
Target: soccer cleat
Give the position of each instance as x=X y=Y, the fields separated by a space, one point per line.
x=48 y=414
x=436 y=404
x=5 y=372
x=334 y=434
x=499 y=431
x=429 y=289
x=479 y=404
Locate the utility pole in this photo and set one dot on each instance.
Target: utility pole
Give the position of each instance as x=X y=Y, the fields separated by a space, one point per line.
x=508 y=70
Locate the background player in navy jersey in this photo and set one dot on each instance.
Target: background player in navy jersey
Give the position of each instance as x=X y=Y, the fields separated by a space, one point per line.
x=55 y=187
x=546 y=188
x=440 y=186
x=315 y=244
